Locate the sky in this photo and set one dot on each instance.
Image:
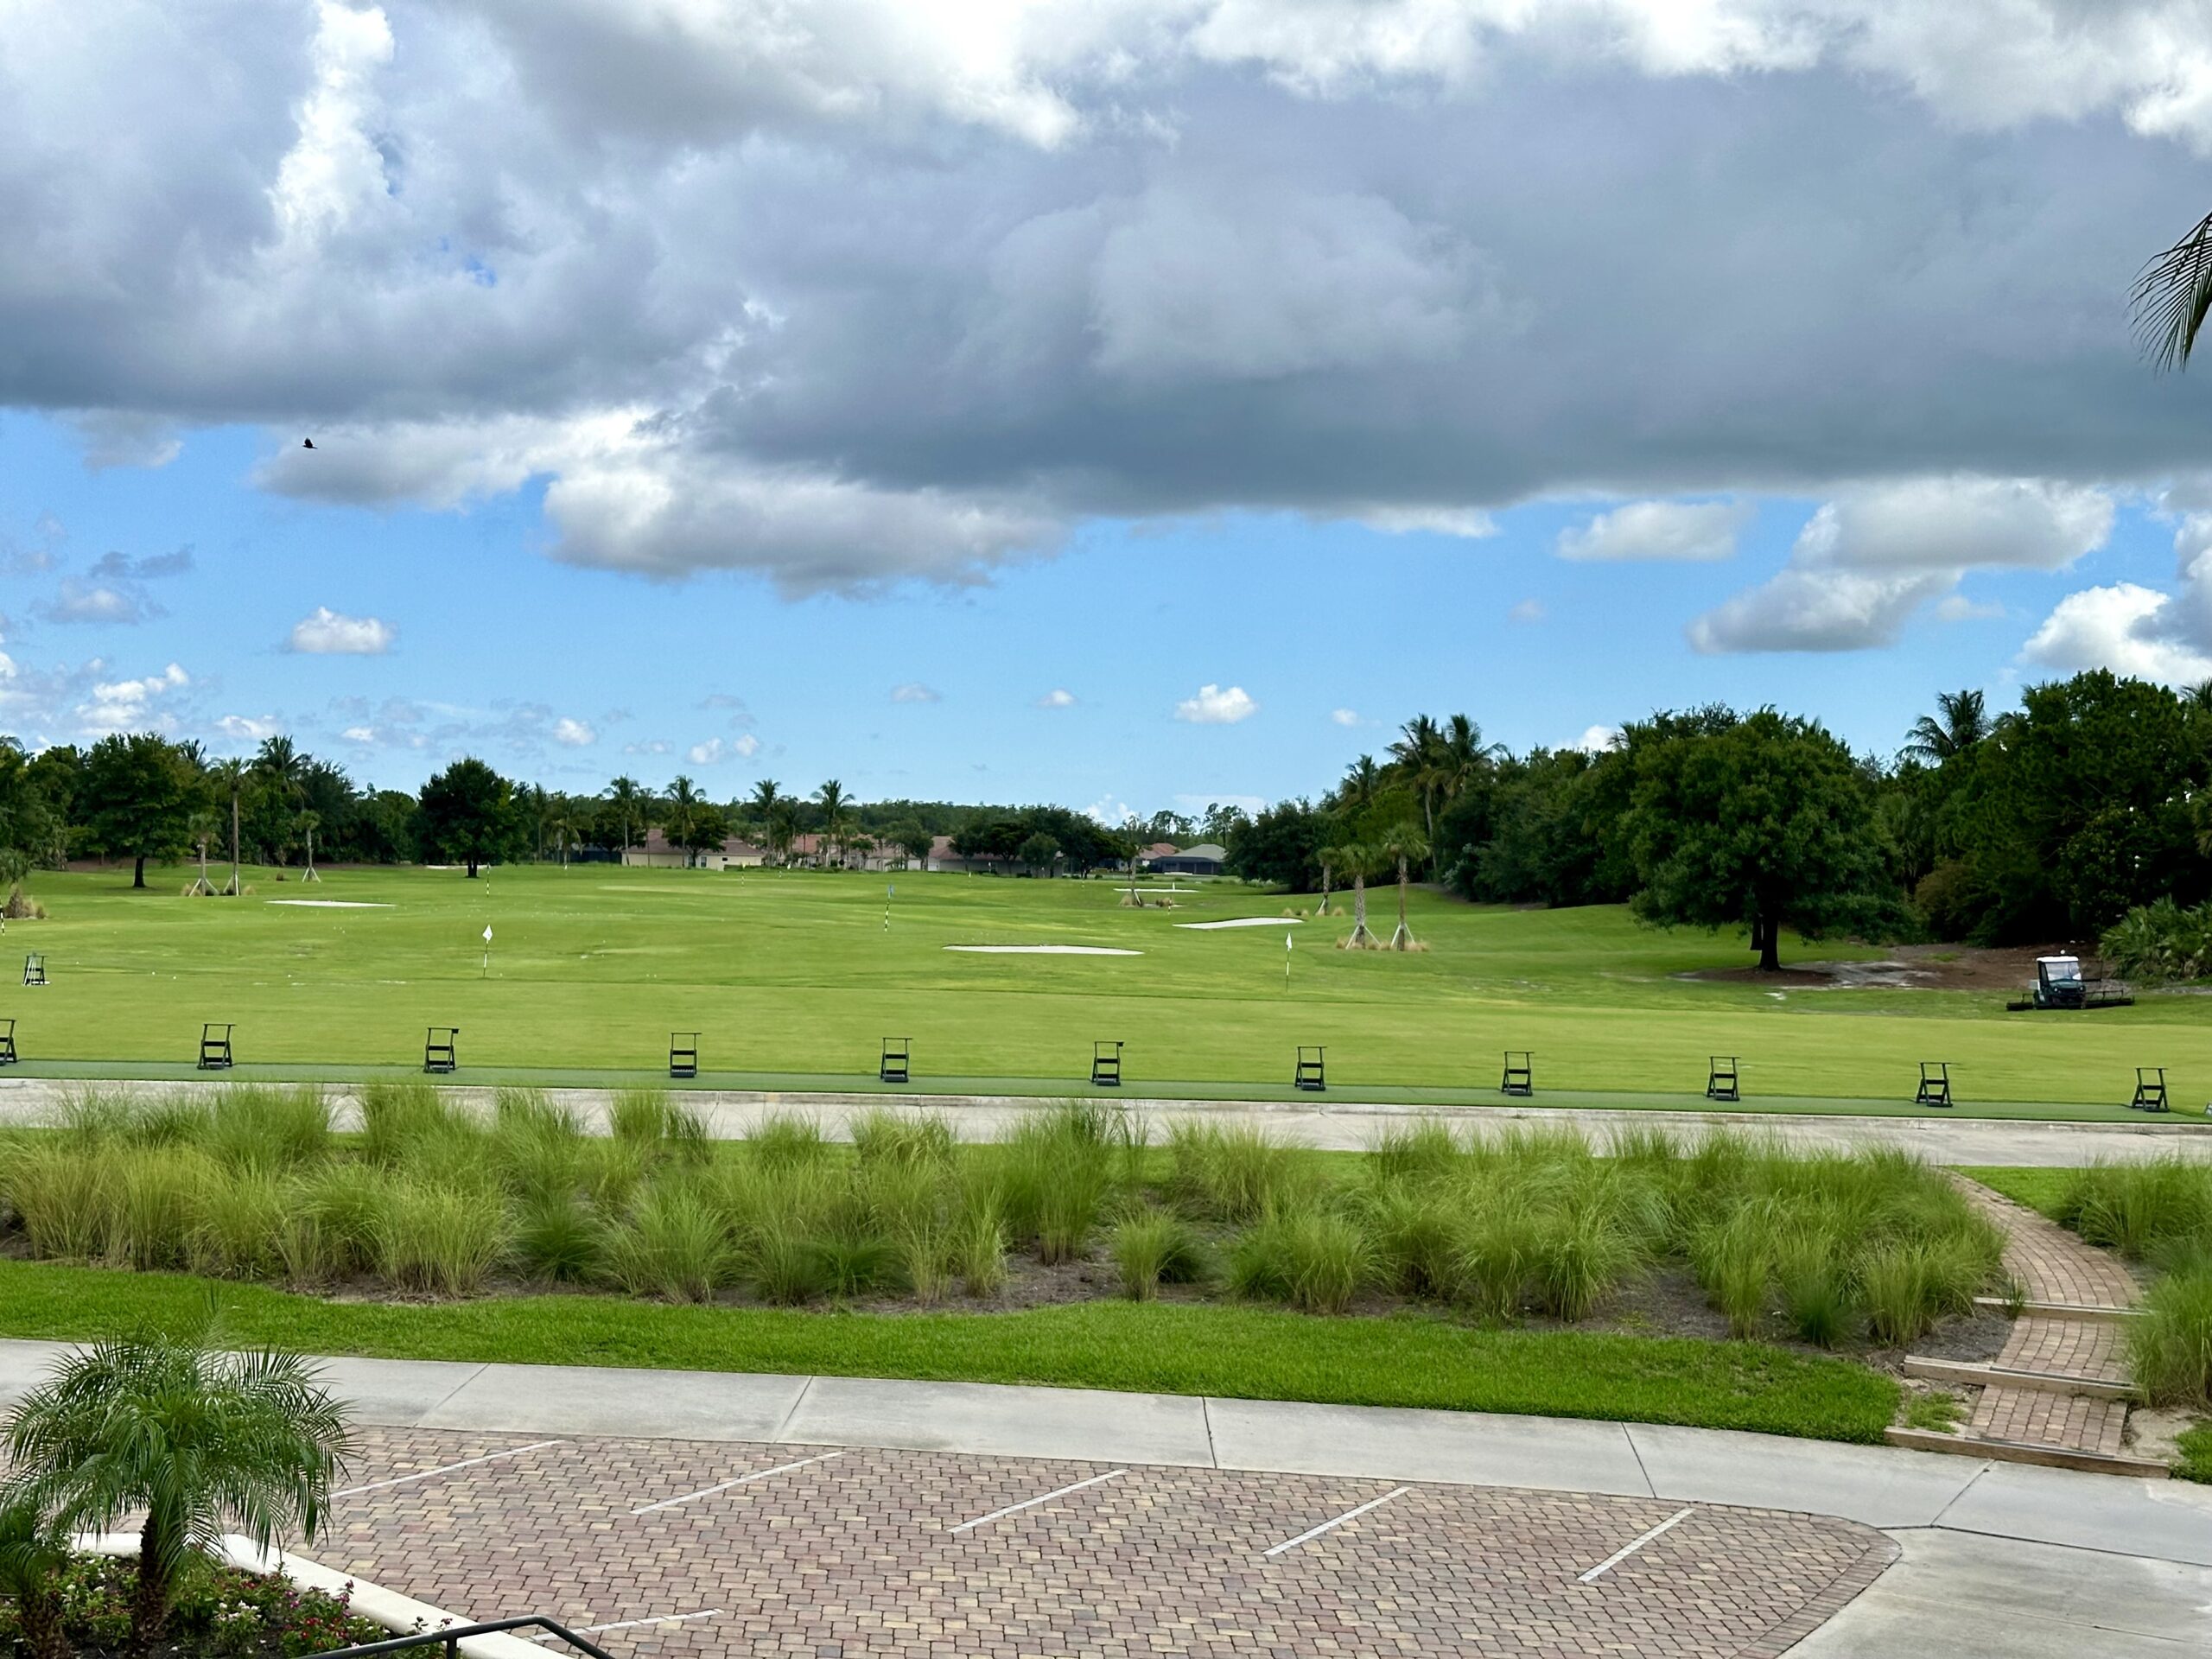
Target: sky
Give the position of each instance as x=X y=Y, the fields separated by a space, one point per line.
x=1131 y=404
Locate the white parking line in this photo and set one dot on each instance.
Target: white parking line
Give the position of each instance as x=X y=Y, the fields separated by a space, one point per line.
x=1032 y=1502
x=1330 y=1526
x=758 y=1474
x=1629 y=1549
x=632 y=1623
x=465 y=1463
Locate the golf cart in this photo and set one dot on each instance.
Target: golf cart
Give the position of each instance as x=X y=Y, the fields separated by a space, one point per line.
x=2061 y=982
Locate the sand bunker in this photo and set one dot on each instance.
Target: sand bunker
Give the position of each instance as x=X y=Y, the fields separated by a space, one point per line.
x=1043 y=950
x=330 y=903
x=1244 y=921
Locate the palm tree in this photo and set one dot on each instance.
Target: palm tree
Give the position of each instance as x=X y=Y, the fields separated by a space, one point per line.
x=2199 y=695
x=280 y=762
x=195 y=1441
x=1362 y=779
x=1358 y=860
x=628 y=801
x=2171 y=295
x=34 y=1552
x=833 y=801
x=232 y=775
x=1418 y=756
x=683 y=804
x=203 y=828
x=1402 y=843
x=566 y=823
x=309 y=821
x=1959 y=723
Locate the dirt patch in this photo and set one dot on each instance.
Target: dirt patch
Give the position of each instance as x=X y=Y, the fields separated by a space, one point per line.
x=1908 y=967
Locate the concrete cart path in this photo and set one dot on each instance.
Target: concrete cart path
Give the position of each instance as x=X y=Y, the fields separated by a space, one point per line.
x=1344 y=1125
x=1998 y=1559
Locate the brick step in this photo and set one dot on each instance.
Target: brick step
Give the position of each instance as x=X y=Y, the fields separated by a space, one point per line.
x=2034 y=1417
x=1972 y=1375
x=2049 y=1457
x=2057 y=1310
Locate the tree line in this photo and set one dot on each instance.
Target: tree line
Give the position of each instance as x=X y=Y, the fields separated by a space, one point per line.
x=2055 y=819
x=147 y=799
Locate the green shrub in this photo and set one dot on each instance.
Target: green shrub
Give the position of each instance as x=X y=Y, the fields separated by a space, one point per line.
x=2169 y=1342
x=673 y=1247
x=237 y=1222
x=558 y=1238
x=1234 y=1173
x=1154 y=1248
x=269 y=1129
x=1313 y=1260
x=445 y=1240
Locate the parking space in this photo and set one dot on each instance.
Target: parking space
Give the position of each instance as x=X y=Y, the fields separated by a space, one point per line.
x=679 y=1547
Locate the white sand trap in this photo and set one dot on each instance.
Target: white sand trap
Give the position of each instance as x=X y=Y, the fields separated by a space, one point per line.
x=1244 y=921
x=1043 y=951
x=330 y=903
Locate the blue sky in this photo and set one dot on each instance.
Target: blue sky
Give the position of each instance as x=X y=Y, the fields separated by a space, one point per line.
x=494 y=644
x=813 y=388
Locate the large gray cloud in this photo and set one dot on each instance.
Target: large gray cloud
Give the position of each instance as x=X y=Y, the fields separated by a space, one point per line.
x=853 y=291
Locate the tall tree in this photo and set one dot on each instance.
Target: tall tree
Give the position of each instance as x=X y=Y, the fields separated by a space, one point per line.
x=833 y=802
x=915 y=841
x=1404 y=845
x=682 y=814
x=1419 y=758
x=141 y=793
x=1959 y=722
x=626 y=798
x=230 y=779
x=309 y=821
x=1358 y=860
x=204 y=827
x=1765 y=824
x=468 y=814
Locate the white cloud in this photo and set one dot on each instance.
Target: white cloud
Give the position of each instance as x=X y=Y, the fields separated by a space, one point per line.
x=2126 y=628
x=1469 y=524
x=248 y=728
x=1596 y=739
x=1684 y=530
x=325 y=632
x=717 y=750
x=574 y=734
x=1865 y=562
x=1957 y=607
x=649 y=746
x=85 y=601
x=1344 y=716
x=129 y=705
x=1111 y=811
x=1057 y=698
x=1215 y=706
x=915 y=692
x=335 y=167
x=366 y=734
x=1526 y=610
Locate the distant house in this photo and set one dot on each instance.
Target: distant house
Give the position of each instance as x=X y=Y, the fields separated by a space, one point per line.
x=1205 y=859
x=943 y=858
x=655 y=853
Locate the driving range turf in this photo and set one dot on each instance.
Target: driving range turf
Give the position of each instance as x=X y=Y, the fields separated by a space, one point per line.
x=794 y=978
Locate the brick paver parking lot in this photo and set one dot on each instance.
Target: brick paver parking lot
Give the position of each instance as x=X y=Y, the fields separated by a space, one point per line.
x=866 y=1551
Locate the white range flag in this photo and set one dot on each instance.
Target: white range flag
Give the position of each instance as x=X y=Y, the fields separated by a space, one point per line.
x=1286 y=942
x=487 y=932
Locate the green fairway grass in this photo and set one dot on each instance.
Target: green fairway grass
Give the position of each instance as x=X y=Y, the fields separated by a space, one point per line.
x=1235 y=1352
x=793 y=978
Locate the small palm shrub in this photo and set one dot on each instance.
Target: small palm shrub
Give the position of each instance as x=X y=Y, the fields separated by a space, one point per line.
x=195 y=1441
x=35 y=1553
x=1154 y=1248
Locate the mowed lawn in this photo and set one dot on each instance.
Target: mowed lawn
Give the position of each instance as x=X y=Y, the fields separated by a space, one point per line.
x=794 y=977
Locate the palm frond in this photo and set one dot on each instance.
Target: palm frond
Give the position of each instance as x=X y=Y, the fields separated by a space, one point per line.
x=2171 y=296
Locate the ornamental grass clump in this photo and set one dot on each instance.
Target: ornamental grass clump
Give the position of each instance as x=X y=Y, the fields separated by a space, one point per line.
x=1234 y=1173
x=444 y=1240
x=2140 y=1209
x=2170 y=1341
x=672 y=1247
x=1314 y=1260
x=1153 y=1248
x=651 y=1119
x=1052 y=1173
x=268 y=1128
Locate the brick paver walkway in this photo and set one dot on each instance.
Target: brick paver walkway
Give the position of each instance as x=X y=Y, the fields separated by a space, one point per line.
x=2053 y=1266
x=863 y=1552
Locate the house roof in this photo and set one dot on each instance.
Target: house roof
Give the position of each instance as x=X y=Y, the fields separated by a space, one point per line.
x=734 y=847
x=1204 y=849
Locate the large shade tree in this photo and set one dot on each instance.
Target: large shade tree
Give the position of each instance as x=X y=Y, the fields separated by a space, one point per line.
x=468 y=814
x=142 y=789
x=1764 y=823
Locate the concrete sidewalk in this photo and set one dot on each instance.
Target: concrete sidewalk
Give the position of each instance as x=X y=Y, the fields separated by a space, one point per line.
x=1344 y=1124
x=1998 y=1560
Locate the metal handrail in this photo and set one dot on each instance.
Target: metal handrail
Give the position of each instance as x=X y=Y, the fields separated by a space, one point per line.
x=450 y=1637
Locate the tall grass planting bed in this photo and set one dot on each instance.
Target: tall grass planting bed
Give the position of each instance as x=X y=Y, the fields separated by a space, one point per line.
x=1073 y=1202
